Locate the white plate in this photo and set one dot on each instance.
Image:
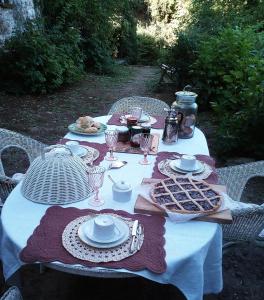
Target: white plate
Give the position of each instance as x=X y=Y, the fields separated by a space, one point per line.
x=148 y=120
x=144 y=118
x=84 y=238
x=80 y=151
x=74 y=129
x=175 y=165
x=90 y=153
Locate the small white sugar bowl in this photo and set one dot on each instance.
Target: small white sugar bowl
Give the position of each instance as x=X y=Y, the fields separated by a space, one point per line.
x=121 y=191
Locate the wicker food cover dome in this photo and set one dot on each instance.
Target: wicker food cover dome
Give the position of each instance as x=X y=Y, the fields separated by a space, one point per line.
x=56 y=177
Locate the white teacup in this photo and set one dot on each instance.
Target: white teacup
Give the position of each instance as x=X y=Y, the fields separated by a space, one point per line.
x=73 y=145
x=188 y=162
x=104 y=227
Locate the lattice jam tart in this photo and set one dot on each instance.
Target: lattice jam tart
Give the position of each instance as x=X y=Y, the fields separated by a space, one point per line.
x=185 y=195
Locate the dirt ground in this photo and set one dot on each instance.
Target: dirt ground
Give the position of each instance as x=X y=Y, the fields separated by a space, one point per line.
x=46 y=118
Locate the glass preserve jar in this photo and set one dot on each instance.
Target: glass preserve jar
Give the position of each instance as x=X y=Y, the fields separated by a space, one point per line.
x=123 y=134
x=185 y=103
x=135 y=132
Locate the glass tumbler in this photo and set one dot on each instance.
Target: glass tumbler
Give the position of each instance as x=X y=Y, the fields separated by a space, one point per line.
x=136 y=112
x=95 y=176
x=111 y=138
x=145 y=143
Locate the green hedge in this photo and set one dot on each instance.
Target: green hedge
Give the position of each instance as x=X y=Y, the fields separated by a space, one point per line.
x=105 y=27
x=229 y=71
x=71 y=37
x=35 y=61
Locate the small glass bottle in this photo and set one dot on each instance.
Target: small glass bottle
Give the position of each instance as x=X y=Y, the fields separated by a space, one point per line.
x=131 y=121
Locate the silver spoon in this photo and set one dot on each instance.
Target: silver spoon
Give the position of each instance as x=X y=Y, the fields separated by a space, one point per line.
x=117 y=164
x=111 y=178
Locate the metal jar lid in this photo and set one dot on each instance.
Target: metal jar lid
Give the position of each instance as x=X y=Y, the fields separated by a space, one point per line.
x=138 y=128
x=122 y=129
x=146 y=125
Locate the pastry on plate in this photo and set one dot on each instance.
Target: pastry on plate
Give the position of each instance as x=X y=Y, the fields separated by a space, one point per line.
x=87 y=124
x=185 y=195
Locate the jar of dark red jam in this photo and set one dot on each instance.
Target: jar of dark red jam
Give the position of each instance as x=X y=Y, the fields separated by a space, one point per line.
x=123 y=134
x=131 y=121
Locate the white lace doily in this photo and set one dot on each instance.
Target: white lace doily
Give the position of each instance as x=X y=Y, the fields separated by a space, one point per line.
x=73 y=244
x=164 y=168
x=92 y=154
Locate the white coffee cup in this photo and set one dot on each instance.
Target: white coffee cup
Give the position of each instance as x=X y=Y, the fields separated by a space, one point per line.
x=188 y=162
x=104 y=227
x=73 y=145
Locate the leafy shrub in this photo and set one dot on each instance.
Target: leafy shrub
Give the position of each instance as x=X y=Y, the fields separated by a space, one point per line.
x=181 y=56
x=163 y=18
x=35 y=61
x=127 y=40
x=149 y=49
x=102 y=24
x=203 y=20
x=230 y=72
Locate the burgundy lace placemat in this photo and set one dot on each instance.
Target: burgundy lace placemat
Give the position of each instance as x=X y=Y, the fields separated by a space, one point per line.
x=102 y=148
x=45 y=244
x=115 y=120
x=166 y=155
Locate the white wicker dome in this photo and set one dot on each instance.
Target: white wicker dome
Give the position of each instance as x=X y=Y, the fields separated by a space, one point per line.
x=56 y=177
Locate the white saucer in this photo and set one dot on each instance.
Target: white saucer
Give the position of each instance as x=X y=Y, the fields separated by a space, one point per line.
x=118 y=232
x=85 y=230
x=80 y=151
x=175 y=165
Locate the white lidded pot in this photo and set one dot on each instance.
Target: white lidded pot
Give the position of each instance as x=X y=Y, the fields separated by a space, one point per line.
x=122 y=191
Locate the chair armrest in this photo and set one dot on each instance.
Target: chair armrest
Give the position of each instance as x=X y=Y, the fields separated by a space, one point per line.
x=13 y=293
x=236 y=177
x=247 y=224
x=6 y=186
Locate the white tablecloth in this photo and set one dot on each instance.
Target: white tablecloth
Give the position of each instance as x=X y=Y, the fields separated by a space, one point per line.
x=193 y=249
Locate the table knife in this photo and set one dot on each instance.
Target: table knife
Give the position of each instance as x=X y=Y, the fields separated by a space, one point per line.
x=134 y=234
x=140 y=238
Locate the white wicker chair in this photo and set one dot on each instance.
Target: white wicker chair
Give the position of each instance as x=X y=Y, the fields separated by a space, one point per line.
x=150 y=105
x=248 y=220
x=9 y=139
x=12 y=293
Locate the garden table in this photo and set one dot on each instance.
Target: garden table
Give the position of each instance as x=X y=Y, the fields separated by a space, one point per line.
x=193 y=249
